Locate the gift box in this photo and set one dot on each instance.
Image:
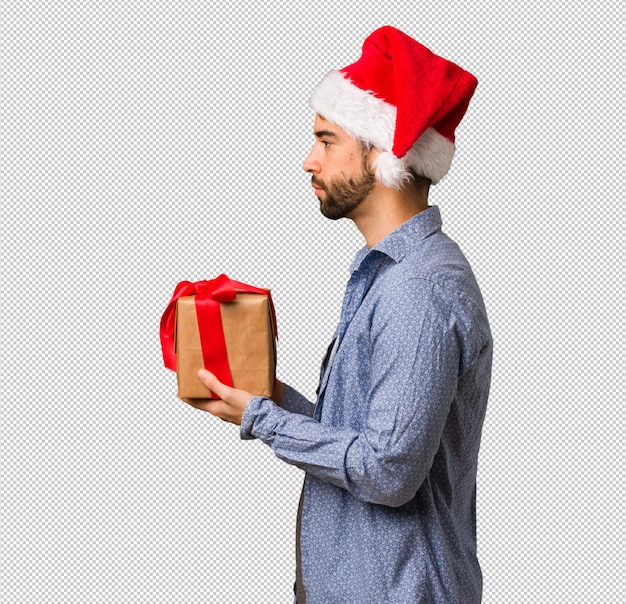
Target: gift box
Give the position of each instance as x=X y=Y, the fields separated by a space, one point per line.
x=225 y=326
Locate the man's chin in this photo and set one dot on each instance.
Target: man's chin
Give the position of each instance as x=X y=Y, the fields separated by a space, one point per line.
x=330 y=212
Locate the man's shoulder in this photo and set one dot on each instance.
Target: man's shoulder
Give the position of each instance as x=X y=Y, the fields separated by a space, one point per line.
x=432 y=278
x=437 y=260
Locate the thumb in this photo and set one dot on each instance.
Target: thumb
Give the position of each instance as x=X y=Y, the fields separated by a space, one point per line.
x=221 y=390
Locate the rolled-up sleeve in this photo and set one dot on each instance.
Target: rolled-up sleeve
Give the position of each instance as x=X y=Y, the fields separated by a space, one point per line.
x=258 y=412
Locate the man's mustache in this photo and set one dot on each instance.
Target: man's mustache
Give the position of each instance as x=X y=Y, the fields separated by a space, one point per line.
x=317 y=183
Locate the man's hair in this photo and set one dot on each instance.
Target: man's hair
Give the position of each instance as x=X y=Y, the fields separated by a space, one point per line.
x=420 y=178
x=364 y=146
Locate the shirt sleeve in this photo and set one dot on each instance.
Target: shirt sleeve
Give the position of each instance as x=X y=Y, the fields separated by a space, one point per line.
x=413 y=371
x=294 y=402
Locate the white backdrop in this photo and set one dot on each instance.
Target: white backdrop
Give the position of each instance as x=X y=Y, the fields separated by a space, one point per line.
x=143 y=143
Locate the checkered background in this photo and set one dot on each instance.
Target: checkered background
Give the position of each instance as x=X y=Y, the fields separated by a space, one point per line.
x=143 y=143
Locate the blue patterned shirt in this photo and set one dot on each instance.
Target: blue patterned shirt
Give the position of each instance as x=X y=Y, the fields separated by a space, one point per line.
x=390 y=449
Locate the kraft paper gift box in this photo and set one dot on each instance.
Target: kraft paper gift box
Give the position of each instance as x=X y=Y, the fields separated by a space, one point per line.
x=235 y=339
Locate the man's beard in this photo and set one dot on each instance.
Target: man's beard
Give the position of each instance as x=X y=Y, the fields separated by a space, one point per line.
x=343 y=195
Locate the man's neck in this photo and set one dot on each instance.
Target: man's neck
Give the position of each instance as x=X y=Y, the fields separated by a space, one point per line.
x=386 y=209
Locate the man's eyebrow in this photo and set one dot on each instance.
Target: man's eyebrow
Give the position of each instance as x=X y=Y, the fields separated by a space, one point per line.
x=325 y=134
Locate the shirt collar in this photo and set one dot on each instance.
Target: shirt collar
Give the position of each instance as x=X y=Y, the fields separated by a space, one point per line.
x=398 y=243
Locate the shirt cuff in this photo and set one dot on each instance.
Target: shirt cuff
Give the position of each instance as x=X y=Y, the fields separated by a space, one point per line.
x=256 y=407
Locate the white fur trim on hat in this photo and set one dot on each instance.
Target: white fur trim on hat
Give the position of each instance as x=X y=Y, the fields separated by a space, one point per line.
x=366 y=117
x=431 y=155
x=359 y=113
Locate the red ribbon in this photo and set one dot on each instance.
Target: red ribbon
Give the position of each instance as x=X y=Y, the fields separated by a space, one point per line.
x=208 y=295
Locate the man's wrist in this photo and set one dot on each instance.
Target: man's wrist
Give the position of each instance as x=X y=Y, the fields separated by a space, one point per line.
x=278 y=392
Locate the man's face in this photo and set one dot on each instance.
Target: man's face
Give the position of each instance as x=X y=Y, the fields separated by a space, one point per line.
x=339 y=168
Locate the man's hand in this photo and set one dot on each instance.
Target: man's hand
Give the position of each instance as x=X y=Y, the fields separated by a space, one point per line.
x=231 y=404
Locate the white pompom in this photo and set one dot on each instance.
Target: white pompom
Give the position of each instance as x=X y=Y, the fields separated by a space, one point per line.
x=391 y=171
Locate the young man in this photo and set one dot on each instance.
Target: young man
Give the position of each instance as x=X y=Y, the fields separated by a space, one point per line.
x=390 y=448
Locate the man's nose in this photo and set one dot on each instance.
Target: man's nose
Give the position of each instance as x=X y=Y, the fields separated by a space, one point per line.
x=310 y=163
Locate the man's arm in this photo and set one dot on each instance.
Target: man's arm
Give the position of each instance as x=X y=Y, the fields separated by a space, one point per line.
x=415 y=364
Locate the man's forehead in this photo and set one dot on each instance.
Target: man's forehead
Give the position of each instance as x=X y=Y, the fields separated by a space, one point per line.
x=323 y=127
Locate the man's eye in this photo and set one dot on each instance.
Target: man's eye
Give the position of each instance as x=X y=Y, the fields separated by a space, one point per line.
x=326 y=143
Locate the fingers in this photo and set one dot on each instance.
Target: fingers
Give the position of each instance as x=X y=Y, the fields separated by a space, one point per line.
x=203 y=404
x=217 y=408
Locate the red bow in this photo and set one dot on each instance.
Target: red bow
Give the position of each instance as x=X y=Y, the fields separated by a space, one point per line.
x=208 y=295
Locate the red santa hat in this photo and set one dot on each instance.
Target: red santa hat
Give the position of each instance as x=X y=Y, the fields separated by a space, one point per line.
x=401 y=98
